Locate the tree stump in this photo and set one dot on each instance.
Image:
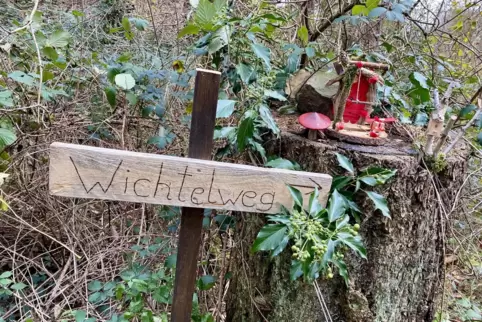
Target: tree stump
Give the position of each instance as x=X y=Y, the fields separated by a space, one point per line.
x=401 y=278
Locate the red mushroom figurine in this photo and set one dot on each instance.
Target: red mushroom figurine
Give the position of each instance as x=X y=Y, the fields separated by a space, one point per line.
x=314 y=122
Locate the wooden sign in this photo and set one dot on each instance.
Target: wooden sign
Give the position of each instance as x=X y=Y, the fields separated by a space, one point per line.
x=90 y=172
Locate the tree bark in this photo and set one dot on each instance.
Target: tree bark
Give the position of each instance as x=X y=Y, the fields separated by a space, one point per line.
x=401 y=278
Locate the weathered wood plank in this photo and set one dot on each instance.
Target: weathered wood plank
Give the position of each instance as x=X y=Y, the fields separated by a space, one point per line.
x=98 y=173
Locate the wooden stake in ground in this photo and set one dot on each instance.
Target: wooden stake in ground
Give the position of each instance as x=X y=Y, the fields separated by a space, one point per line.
x=200 y=146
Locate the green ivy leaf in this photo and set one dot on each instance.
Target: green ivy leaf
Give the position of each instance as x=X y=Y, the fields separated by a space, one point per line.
x=418 y=80
x=354 y=243
x=263 y=53
x=267 y=117
x=94 y=286
x=188 y=30
x=77 y=13
x=281 y=163
x=345 y=163
x=110 y=93
x=7 y=137
x=340 y=182
x=336 y=207
x=6 y=98
x=245 y=132
x=125 y=81
x=269 y=237
x=376 y=176
x=303 y=35
x=225 y=108
x=206 y=282
x=21 y=77
x=380 y=202
x=59 y=39
x=274 y=94
x=293 y=62
x=297 y=196
x=246 y=72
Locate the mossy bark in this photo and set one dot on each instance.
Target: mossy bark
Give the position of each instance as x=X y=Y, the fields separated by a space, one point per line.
x=401 y=278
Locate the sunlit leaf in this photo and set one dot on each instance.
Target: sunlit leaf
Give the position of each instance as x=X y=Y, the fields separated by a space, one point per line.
x=125 y=81
x=188 y=30
x=267 y=117
x=22 y=77
x=303 y=35
x=225 y=108
x=336 y=207
x=377 y=12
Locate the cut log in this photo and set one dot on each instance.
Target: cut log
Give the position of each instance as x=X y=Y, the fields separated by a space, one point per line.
x=400 y=279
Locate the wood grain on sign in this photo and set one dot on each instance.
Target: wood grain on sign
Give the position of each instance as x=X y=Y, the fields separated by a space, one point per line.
x=90 y=172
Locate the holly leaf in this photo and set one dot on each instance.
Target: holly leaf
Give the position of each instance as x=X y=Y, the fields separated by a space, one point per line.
x=269 y=237
x=274 y=94
x=345 y=163
x=263 y=53
x=297 y=196
x=246 y=72
x=267 y=117
x=354 y=242
x=418 y=80
x=380 y=202
x=245 y=132
x=336 y=207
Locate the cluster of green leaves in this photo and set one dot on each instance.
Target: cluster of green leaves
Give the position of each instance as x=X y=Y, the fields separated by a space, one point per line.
x=136 y=288
x=8 y=286
x=463 y=309
x=320 y=236
x=250 y=79
x=391 y=10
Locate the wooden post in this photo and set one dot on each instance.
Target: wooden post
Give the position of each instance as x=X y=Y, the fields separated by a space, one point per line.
x=206 y=89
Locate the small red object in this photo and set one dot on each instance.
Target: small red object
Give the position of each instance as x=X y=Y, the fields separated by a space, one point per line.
x=373 y=80
x=340 y=126
x=359 y=64
x=376 y=118
x=314 y=121
x=364 y=113
x=373 y=134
